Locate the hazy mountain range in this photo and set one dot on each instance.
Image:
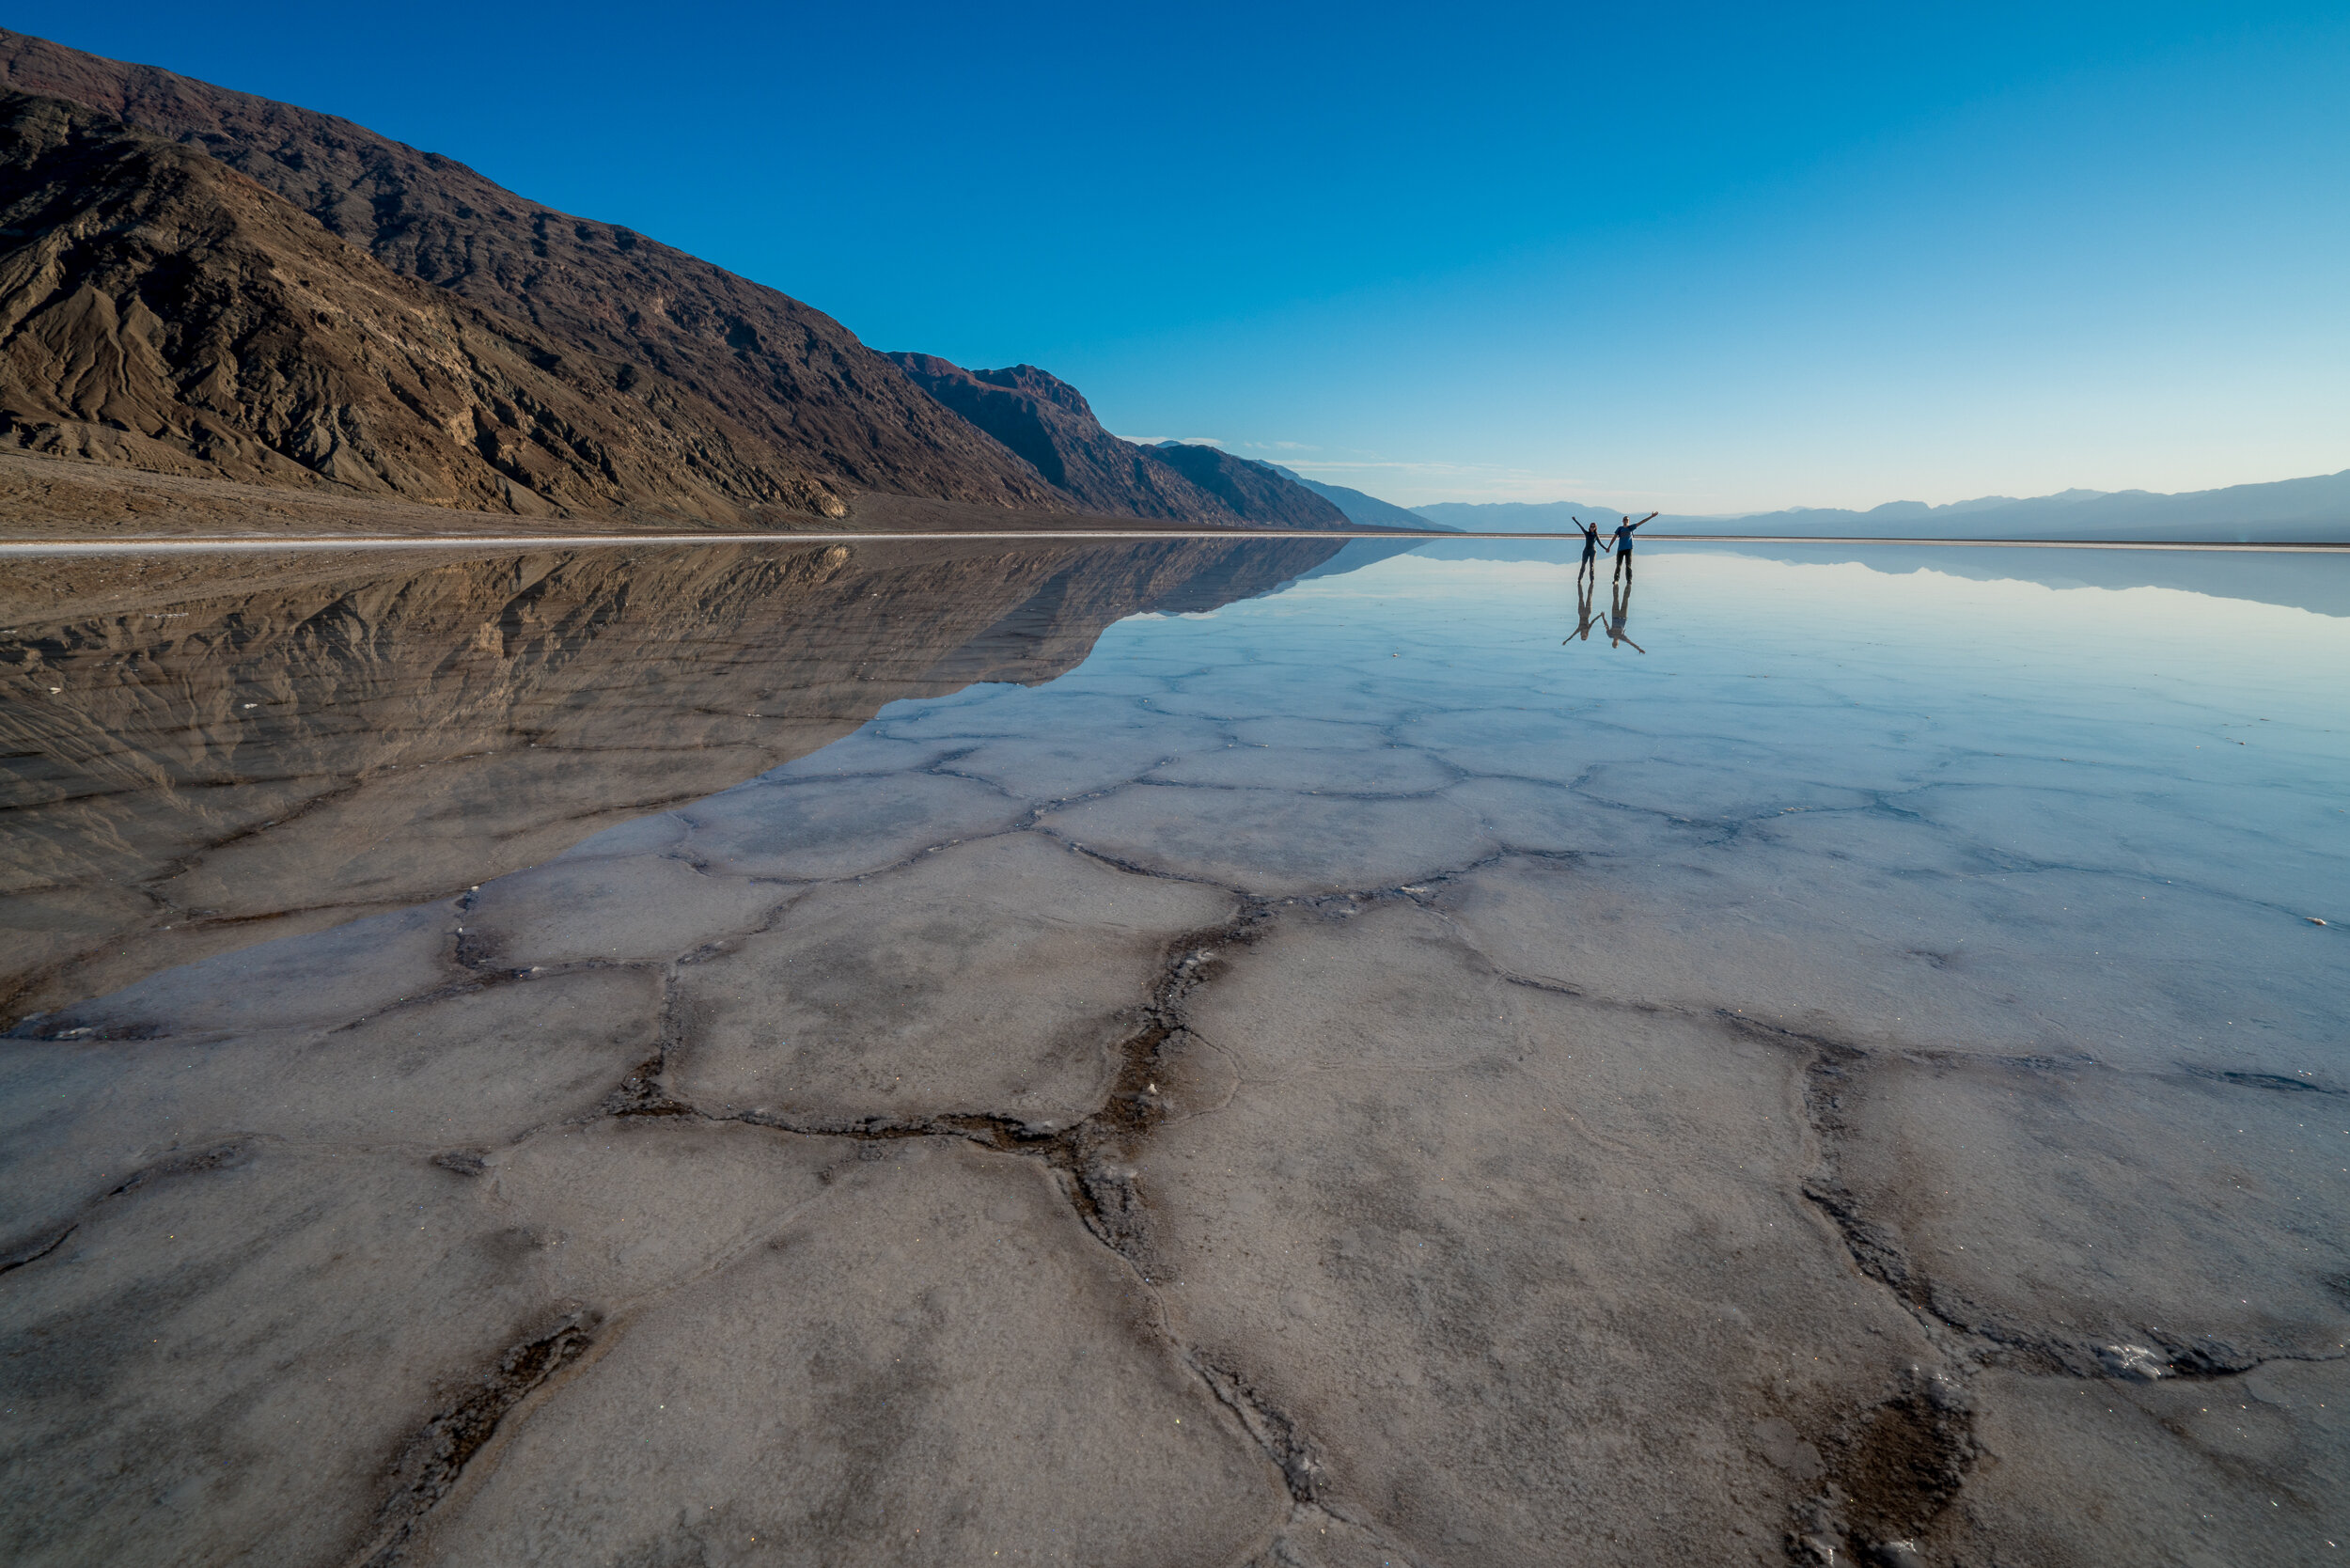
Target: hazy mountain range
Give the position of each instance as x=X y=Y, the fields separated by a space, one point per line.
x=2314 y=510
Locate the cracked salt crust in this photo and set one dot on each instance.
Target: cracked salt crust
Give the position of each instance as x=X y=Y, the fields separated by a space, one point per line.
x=1572 y=1158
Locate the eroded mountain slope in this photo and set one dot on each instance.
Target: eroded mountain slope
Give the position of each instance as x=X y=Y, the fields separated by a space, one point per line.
x=161 y=311
x=784 y=387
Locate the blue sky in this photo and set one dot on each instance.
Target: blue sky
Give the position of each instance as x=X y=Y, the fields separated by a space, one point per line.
x=1706 y=258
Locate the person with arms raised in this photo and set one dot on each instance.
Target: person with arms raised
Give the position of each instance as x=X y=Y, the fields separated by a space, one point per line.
x=1623 y=543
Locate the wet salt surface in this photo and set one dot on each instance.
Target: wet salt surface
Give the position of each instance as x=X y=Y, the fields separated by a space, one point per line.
x=1340 y=1072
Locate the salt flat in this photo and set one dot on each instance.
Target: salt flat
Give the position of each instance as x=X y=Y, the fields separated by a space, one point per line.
x=1056 y=1051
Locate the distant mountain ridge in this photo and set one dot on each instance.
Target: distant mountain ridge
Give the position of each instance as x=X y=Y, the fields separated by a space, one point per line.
x=2305 y=510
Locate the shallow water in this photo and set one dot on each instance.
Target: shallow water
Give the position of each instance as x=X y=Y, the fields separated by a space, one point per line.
x=1799 y=1054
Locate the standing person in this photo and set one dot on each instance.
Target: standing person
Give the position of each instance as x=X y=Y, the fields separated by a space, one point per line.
x=1623 y=543
x=1590 y=547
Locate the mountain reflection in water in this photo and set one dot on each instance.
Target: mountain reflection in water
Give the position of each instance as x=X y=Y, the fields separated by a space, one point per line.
x=203 y=755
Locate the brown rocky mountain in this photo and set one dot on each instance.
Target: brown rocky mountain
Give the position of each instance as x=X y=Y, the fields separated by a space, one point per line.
x=773 y=402
x=1048 y=422
x=161 y=311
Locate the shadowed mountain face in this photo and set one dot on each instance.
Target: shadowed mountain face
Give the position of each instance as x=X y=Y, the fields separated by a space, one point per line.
x=1250 y=490
x=773 y=402
x=201 y=756
x=1049 y=422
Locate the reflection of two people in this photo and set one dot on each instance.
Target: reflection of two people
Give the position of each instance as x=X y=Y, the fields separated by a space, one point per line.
x=1587 y=580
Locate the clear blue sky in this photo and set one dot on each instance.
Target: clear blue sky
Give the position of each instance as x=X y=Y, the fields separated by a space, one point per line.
x=1706 y=259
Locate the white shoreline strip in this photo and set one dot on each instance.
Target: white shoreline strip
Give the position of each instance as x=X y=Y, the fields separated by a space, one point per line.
x=167 y=545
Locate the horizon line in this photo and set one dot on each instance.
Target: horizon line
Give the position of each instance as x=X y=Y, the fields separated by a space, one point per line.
x=245 y=543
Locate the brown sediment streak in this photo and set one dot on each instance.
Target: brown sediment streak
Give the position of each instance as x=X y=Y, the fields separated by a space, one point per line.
x=428 y=1467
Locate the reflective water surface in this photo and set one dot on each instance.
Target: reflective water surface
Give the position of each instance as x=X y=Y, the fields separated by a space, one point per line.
x=1277 y=1052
